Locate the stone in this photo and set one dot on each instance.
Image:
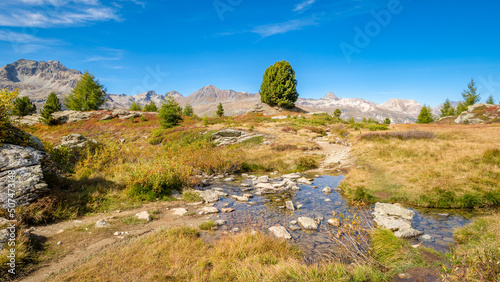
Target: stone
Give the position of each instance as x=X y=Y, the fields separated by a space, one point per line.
x=335 y=222
x=292 y=175
x=407 y=232
x=209 y=196
x=426 y=237
x=304 y=180
x=143 y=215
x=23 y=165
x=176 y=194
x=307 y=223
x=106 y=117
x=117 y=233
x=328 y=200
x=294 y=227
x=392 y=223
x=280 y=232
x=248 y=196
x=220 y=222
x=74 y=141
x=117 y=113
x=265 y=188
x=240 y=198
x=59 y=242
x=227 y=133
x=315 y=187
x=70 y=116
x=245 y=185
x=229 y=179
x=279 y=117
x=209 y=210
x=299 y=206
x=262 y=179
x=444 y=214
x=327 y=190
x=390 y=209
x=179 y=211
x=289 y=205
x=101 y=224
x=293 y=222
x=227 y=210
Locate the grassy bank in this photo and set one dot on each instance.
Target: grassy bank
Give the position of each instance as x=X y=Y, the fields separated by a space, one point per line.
x=457 y=168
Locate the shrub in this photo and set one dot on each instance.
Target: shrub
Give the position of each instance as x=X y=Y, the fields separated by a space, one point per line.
x=492 y=156
x=88 y=95
x=283 y=147
x=135 y=107
x=306 y=163
x=143 y=119
x=151 y=107
x=337 y=113
x=279 y=86
x=6 y=103
x=51 y=106
x=387 y=121
x=170 y=113
x=23 y=107
x=188 y=110
x=207 y=225
x=360 y=195
x=289 y=129
x=191 y=197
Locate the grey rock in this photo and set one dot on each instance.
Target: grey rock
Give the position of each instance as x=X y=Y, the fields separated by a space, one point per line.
x=101 y=224
x=327 y=190
x=304 y=180
x=209 y=210
x=143 y=215
x=179 y=211
x=209 y=196
x=294 y=227
x=407 y=232
x=394 y=210
x=240 y=198
x=280 y=232
x=307 y=223
x=292 y=175
x=70 y=116
x=289 y=205
x=334 y=222
x=74 y=141
x=220 y=222
x=24 y=165
x=227 y=210
x=106 y=117
x=426 y=237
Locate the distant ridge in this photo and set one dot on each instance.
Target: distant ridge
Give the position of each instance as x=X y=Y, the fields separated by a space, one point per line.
x=37 y=79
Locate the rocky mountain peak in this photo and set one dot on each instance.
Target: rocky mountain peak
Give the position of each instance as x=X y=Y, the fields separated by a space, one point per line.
x=331 y=96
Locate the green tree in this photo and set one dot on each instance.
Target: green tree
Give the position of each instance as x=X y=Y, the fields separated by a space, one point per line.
x=51 y=106
x=23 y=107
x=470 y=95
x=461 y=107
x=88 y=95
x=188 y=110
x=170 y=113
x=447 y=109
x=337 y=113
x=220 y=110
x=490 y=100
x=151 y=107
x=6 y=103
x=387 y=121
x=135 y=107
x=279 y=86
x=425 y=115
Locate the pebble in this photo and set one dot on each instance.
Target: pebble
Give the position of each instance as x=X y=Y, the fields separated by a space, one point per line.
x=59 y=243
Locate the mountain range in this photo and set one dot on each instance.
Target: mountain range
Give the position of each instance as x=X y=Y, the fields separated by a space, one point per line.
x=37 y=79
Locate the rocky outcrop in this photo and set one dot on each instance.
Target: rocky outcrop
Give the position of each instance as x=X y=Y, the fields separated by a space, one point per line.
x=20 y=166
x=479 y=114
x=395 y=218
x=231 y=136
x=75 y=141
x=70 y=116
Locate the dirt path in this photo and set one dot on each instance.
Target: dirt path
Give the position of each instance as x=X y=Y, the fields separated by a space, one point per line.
x=337 y=156
x=77 y=244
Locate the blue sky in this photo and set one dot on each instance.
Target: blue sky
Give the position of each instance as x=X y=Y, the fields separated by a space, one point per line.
x=376 y=50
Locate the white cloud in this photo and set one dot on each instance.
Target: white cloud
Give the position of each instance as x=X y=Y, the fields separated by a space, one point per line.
x=281 y=28
x=18 y=37
x=110 y=55
x=301 y=7
x=57 y=13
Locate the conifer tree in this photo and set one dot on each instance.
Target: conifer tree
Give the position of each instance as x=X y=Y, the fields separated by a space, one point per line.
x=151 y=107
x=279 y=86
x=490 y=100
x=447 y=109
x=135 y=107
x=51 y=106
x=220 y=110
x=188 y=110
x=88 y=95
x=337 y=113
x=170 y=113
x=425 y=115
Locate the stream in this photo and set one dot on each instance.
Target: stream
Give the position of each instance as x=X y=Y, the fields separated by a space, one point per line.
x=262 y=212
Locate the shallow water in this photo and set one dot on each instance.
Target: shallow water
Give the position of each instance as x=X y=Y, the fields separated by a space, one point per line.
x=265 y=211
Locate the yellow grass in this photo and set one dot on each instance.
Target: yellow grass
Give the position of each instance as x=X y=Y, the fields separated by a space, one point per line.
x=448 y=171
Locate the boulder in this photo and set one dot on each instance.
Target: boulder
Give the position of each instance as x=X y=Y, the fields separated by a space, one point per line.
x=280 y=232
x=179 y=211
x=227 y=133
x=101 y=224
x=289 y=205
x=307 y=223
x=335 y=222
x=327 y=190
x=209 y=196
x=21 y=166
x=394 y=210
x=209 y=210
x=74 y=141
x=227 y=210
x=407 y=233
x=70 y=116
x=106 y=117
x=143 y=215
x=304 y=180
x=240 y=198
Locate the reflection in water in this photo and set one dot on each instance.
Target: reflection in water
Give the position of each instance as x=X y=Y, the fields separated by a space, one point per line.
x=263 y=212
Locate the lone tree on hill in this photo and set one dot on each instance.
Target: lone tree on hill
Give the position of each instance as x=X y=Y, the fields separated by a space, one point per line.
x=425 y=115
x=88 y=95
x=151 y=107
x=51 y=106
x=170 y=113
x=337 y=113
x=490 y=100
x=188 y=110
x=220 y=110
x=447 y=109
x=279 y=86
x=23 y=107
x=135 y=107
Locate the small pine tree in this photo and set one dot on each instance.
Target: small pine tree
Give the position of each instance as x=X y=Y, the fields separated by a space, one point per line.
x=205 y=120
x=151 y=107
x=461 y=107
x=170 y=113
x=279 y=86
x=88 y=95
x=337 y=113
x=135 y=107
x=470 y=95
x=387 y=121
x=425 y=115
x=490 y=100
x=220 y=110
x=188 y=110
x=23 y=107
x=51 y=106
x=447 y=109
